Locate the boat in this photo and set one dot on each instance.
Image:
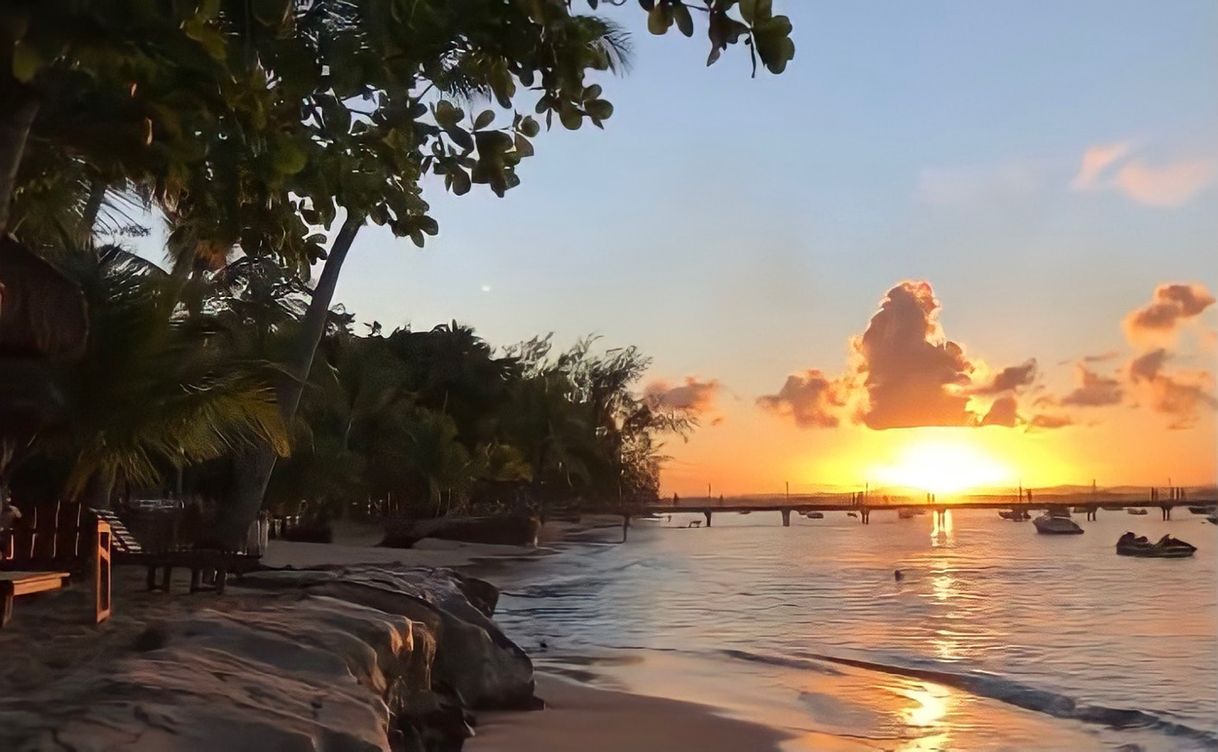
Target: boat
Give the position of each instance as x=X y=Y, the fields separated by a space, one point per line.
x=906 y=514
x=1051 y=524
x=1212 y=519
x=1206 y=509
x=815 y=515
x=1015 y=515
x=1136 y=510
x=1167 y=547
x=746 y=511
x=1081 y=510
x=848 y=514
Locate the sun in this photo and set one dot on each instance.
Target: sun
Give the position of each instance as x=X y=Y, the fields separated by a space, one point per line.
x=943 y=465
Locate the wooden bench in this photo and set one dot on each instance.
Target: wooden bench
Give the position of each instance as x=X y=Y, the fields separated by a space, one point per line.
x=43 y=553
x=13 y=584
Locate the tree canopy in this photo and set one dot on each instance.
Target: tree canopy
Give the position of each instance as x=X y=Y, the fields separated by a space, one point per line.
x=274 y=130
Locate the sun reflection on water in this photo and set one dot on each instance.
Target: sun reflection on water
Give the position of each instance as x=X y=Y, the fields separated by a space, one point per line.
x=942 y=534
x=931 y=705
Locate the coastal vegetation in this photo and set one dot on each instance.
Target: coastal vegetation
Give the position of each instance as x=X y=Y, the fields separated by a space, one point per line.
x=267 y=134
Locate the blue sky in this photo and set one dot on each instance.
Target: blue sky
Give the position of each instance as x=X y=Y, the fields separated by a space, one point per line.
x=742 y=229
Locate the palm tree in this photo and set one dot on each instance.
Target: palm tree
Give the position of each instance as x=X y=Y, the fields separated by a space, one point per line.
x=153 y=389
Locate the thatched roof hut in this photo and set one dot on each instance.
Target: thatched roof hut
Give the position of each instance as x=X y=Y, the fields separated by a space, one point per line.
x=42 y=313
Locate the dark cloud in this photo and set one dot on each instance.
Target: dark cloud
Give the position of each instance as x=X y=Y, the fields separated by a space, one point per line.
x=1102 y=357
x=912 y=374
x=694 y=395
x=809 y=398
x=1009 y=379
x=1171 y=305
x=1004 y=412
x=1093 y=390
x=1180 y=396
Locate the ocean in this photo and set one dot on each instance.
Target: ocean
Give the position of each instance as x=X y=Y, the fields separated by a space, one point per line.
x=995 y=637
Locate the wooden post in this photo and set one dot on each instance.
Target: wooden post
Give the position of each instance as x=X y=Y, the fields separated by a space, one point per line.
x=102 y=604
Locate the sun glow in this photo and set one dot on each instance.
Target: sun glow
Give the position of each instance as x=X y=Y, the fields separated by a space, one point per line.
x=943 y=466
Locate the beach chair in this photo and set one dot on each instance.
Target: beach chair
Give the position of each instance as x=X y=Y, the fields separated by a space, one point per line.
x=209 y=568
x=49 y=550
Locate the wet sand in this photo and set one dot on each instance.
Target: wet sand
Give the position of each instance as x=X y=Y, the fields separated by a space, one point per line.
x=588 y=719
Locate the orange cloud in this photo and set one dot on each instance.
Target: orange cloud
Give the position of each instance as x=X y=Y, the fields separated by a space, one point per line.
x=1010 y=378
x=809 y=398
x=694 y=396
x=1171 y=306
x=912 y=374
x=1111 y=167
x=1097 y=159
x=1047 y=421
x=1168 y=185
x=1181 y=396
x=1093 y=390
x=1004 y=412
x=905 y=373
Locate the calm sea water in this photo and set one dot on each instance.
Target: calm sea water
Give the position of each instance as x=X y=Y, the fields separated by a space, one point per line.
x=996 y=637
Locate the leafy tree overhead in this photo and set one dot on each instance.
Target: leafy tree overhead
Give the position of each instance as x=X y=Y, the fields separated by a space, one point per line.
x=282 y=127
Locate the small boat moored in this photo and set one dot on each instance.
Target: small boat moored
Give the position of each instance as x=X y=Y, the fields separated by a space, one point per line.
x=1136 y=510
x=1207 y=509
x=1051 y=524
x=1167 y=547
x=815 y=515
x=906 y=514
x=1015 y=515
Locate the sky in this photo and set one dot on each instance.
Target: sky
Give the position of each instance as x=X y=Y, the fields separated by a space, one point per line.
x=834 y=266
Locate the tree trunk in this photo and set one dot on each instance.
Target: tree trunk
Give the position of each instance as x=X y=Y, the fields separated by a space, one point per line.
x=254 y=465
x=16 y=118
x=88 y=219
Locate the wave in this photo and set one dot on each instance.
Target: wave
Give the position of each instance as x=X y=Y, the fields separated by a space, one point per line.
x=1001 y=689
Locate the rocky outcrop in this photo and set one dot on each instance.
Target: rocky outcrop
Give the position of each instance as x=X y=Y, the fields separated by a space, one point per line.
x=344 y=660
x=473 y=657
x=506 y=531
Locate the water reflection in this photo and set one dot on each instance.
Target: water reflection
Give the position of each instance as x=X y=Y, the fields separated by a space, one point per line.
x=942 y=534
x=930 y=707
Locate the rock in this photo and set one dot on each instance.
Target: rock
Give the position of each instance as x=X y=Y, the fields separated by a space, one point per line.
x=506 y=531
x=361 y=659
x=472 y=654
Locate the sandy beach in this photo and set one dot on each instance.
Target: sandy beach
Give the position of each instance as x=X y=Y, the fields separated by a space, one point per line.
x=605 y=720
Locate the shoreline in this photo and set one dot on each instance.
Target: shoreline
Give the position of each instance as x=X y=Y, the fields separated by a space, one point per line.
x=581 y=708
x=608 y=720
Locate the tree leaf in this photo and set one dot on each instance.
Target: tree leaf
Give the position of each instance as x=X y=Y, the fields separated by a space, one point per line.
x=485 y=118
x=685 y=23
x=601 y=109
x=658 y=20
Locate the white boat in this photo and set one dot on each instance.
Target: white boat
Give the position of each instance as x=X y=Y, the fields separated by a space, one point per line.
x=1051 y=524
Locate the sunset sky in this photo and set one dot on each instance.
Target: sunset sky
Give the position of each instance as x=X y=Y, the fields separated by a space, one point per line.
x=1034 y=183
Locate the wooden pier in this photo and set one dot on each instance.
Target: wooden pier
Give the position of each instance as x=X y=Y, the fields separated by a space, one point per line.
x=863 y=506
